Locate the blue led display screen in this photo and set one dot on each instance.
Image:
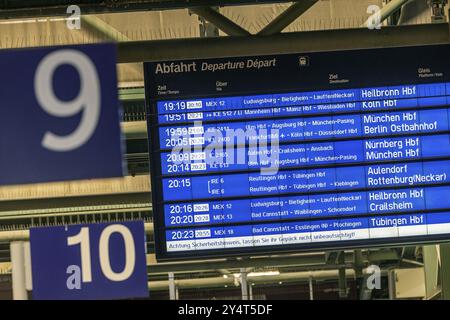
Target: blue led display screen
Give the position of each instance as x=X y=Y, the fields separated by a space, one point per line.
x=299 y=151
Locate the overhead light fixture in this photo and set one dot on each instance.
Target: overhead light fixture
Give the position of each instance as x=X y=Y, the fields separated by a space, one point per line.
x=259 y=274
x=263 y=274
x=37 y=20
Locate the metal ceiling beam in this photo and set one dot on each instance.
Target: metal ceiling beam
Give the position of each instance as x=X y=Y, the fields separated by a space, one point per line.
x=235 y=268
x=326 y=40
x=220 y=21
x=134 y=129
x=296 y=276
x=105 y=30
x=70 y=208
x=412 y=10
x=46 y=8
x=375 y=256
x=216 y=282
x=71 y=189
x=24 y=235
x=385 y=12
x=215 y=264
x=317 y=259
x=287 y=17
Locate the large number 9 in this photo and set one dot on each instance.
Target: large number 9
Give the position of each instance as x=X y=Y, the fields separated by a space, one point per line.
x=87 y=100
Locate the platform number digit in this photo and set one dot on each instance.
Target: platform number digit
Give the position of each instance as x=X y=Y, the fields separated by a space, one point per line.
x=78 y=275
x=88 y=100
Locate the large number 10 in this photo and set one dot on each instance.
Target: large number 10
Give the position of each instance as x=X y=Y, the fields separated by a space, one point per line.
x=87 y=100
x=83 y=239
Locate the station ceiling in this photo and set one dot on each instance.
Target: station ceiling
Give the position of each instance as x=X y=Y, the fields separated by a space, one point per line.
x=19 y=8
x=130 y=24
x=41 y=23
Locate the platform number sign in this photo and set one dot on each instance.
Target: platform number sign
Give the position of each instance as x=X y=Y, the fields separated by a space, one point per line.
x=60 y=112
x=87 y=101
x=94 y=261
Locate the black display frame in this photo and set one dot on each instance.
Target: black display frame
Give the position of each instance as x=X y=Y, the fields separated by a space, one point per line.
x=155 y=163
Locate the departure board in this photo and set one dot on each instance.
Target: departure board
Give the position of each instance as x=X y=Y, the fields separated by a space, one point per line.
x=298 y=152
